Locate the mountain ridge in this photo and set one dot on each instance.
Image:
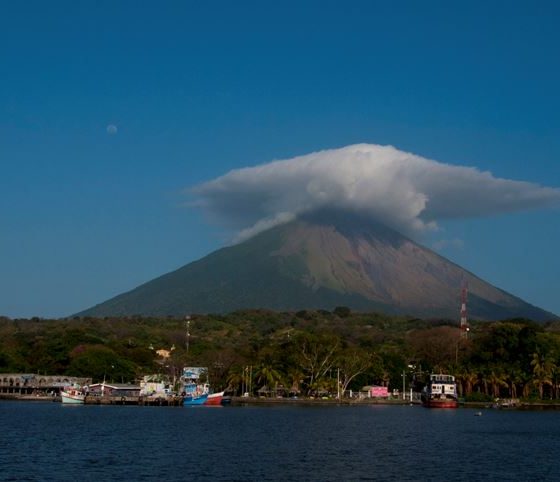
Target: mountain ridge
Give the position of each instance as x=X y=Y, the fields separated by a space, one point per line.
x=320 y=263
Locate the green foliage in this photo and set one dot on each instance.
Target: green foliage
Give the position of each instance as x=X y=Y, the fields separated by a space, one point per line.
x=342 y=311
x=7 y=363
x=478 y=397
x=100 y=363
x=303 y=352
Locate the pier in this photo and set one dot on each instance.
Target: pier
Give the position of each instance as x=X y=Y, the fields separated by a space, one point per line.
x=171 y=401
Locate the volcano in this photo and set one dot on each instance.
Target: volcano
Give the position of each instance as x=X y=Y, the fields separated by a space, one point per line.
x=320 y=263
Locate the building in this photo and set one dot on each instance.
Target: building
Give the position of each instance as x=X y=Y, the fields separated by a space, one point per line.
x=32 y=383
x=114 y=390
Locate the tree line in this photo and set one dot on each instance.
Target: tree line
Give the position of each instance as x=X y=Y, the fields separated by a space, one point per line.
x=306 y=353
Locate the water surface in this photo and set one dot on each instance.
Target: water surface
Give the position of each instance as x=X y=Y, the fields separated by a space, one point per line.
x=50 y=441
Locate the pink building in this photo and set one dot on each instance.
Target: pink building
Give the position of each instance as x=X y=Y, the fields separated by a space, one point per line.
x=378 y=392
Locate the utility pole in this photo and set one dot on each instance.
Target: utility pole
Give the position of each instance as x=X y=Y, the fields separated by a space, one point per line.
x=338 y=383
x=250 y=379
x=403 y=385
x=464 y=321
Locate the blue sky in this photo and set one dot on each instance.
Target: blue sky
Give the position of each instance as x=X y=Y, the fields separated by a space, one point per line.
x=196 y=89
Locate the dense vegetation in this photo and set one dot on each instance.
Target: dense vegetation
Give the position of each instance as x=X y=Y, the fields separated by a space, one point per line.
x=305 y=352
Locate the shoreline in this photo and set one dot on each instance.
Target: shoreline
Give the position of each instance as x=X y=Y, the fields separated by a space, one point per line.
x=319 y=401
x=522 y=405
x=243 y=401
x=28 y=398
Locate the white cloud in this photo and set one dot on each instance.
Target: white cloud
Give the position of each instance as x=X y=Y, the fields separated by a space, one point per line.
x=264 y=224
x=405 y=191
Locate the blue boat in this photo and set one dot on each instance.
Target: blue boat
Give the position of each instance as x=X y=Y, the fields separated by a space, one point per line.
x=194 y=391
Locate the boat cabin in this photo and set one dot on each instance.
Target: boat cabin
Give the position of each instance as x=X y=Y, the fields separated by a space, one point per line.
x=441 y=378
x=442 y=385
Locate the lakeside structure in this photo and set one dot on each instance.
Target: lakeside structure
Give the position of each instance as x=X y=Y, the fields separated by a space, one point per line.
x=35 y=384
x=34 y=387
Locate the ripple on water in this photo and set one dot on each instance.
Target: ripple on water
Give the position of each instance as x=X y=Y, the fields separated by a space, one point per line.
x=51 y=442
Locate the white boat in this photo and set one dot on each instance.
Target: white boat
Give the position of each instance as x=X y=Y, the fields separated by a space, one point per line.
x=72 y=395
x=440 y=392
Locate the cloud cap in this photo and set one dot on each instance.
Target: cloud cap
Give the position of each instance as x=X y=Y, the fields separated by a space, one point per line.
x=402 y=190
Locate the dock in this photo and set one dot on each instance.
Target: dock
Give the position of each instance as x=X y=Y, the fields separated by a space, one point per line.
x=171 y=401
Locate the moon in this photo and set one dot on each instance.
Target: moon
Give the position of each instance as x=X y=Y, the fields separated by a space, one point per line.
x=112 y=129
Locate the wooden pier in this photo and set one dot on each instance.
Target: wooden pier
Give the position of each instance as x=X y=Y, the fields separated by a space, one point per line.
x=142 y=401
x=171 y=401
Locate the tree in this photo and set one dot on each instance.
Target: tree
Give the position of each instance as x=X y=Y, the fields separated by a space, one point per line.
x=352 y=362
x=294 y=379
x=497 y=379
x=467 y=379
x=316 y=356
x=514 y=379
x=267 y=375
x=435 y=347
x=100 y=362
x=342 y=311
x=235 y=378
x=543 y=368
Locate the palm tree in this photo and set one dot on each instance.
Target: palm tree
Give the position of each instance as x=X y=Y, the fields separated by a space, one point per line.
x=467 y=379
x=295 y=378
x=543 y=368
x=235 y=378
x=267 y=375
x=497 y=379
x=555 y=378
x=483 y=379
x=514 y=378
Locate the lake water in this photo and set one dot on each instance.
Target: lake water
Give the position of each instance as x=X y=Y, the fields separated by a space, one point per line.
x=49 y=441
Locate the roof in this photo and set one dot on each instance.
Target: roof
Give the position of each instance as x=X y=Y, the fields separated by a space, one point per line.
x=117 y=386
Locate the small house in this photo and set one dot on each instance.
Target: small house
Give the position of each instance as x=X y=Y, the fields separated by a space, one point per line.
x=114 y=389
x=374 y=391
x=154 y=386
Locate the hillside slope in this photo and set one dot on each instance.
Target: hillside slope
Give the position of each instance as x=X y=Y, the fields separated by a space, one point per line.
x=320 y=263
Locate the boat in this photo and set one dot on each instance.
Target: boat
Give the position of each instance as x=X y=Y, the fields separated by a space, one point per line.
x=507 y=403
x=215 y=399
x=196 y=392
x=72 y=395
x=440 y=392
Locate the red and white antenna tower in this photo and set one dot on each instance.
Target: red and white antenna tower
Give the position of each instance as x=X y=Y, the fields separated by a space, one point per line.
x=464 y=322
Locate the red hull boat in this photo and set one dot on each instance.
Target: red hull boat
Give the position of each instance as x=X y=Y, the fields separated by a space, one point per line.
x=214 y=399
x=441 y=403
x=440 y=392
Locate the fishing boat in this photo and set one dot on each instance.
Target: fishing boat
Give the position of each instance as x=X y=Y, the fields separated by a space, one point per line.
x=196 y=390
x=72 y=395
x=440 y=392
x=215 y=399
